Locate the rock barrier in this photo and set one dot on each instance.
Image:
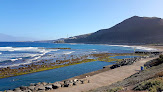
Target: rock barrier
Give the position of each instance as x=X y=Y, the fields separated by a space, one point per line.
x=130 y=61
x=43 y=86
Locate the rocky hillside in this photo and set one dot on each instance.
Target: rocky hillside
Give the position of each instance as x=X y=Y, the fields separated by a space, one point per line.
x=135 y=30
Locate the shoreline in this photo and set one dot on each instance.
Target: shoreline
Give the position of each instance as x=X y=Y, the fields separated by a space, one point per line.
x=158 y=48
x=31 y=68
x=80 y=77
x=94 y=73
x=105 y=78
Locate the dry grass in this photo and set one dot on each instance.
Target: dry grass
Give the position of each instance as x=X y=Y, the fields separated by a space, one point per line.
x=152 y=85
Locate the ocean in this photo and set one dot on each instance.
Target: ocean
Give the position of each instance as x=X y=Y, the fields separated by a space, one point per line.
x=19 y=53
x=15 y=54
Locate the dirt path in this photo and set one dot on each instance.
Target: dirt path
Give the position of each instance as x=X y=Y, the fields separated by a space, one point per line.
x=106 y=78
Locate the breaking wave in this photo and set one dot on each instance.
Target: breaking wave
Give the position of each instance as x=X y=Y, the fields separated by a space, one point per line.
x=136 y=47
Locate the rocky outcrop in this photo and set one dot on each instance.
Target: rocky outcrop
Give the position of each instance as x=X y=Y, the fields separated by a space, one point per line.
x=43 y=86
x=130 y=61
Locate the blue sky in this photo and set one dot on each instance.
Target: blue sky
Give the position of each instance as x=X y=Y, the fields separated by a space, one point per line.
x=52 y=19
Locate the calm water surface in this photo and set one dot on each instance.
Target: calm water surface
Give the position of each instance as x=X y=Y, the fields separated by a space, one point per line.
x=51 y=75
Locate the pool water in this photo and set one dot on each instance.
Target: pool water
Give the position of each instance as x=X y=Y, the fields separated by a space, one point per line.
x=53 y=75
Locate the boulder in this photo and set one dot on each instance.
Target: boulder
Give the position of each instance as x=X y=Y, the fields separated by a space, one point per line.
x=33 y=84
x=32 y=88
x=38 y=83
x=44 y=83
x=41 y=88
x=83 y=81
x=23 y=88
x=75 y=80
x=71 y=84
x=27 y=90
x=37 y=86
x=9 y=91
x=17 y=90
x=56 y=85
x=48 y=87
x=66 y=85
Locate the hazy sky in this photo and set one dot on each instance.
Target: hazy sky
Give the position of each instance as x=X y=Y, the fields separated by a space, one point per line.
x=52 y=19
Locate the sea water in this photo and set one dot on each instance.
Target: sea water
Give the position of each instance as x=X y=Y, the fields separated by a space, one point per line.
x=19 y=53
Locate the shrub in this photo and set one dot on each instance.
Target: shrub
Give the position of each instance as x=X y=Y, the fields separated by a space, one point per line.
x=115 y=89
x=152 y=85
x=160 y=74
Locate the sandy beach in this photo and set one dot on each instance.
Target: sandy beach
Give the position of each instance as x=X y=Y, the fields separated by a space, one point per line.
x=106 y=78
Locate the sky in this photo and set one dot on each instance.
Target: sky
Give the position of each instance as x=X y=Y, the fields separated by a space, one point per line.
x=53 y=19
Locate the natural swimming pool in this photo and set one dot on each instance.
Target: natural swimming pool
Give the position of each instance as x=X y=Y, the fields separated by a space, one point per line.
x=53 y=75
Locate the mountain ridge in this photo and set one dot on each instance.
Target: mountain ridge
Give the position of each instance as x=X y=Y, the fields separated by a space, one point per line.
x=134 y=30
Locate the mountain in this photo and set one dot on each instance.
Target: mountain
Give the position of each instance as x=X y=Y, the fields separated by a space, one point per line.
x=134 y=30
x=8 y=38
x=62 y=40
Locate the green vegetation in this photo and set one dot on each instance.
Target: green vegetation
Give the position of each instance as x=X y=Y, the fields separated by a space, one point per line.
x=25 y=70
x=114 y=89
x=160 y=59
x=152 y=85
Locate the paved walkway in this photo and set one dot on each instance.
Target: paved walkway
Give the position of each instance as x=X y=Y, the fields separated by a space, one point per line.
x=106 y=78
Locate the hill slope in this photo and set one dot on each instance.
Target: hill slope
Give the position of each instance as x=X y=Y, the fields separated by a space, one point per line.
x=135 y=30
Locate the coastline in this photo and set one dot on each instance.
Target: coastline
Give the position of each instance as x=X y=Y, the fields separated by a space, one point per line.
x=94 y=72
x=31 y=68
x=158 y=48
x=104 y=78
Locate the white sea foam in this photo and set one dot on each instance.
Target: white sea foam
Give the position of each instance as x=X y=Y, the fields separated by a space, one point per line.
x=19 y=48
x=0 y=53
x=136 y=47
x=13 y=59
x=38 y=53
x=68 y=52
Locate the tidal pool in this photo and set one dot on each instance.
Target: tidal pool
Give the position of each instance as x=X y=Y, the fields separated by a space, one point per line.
x=53 y=75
